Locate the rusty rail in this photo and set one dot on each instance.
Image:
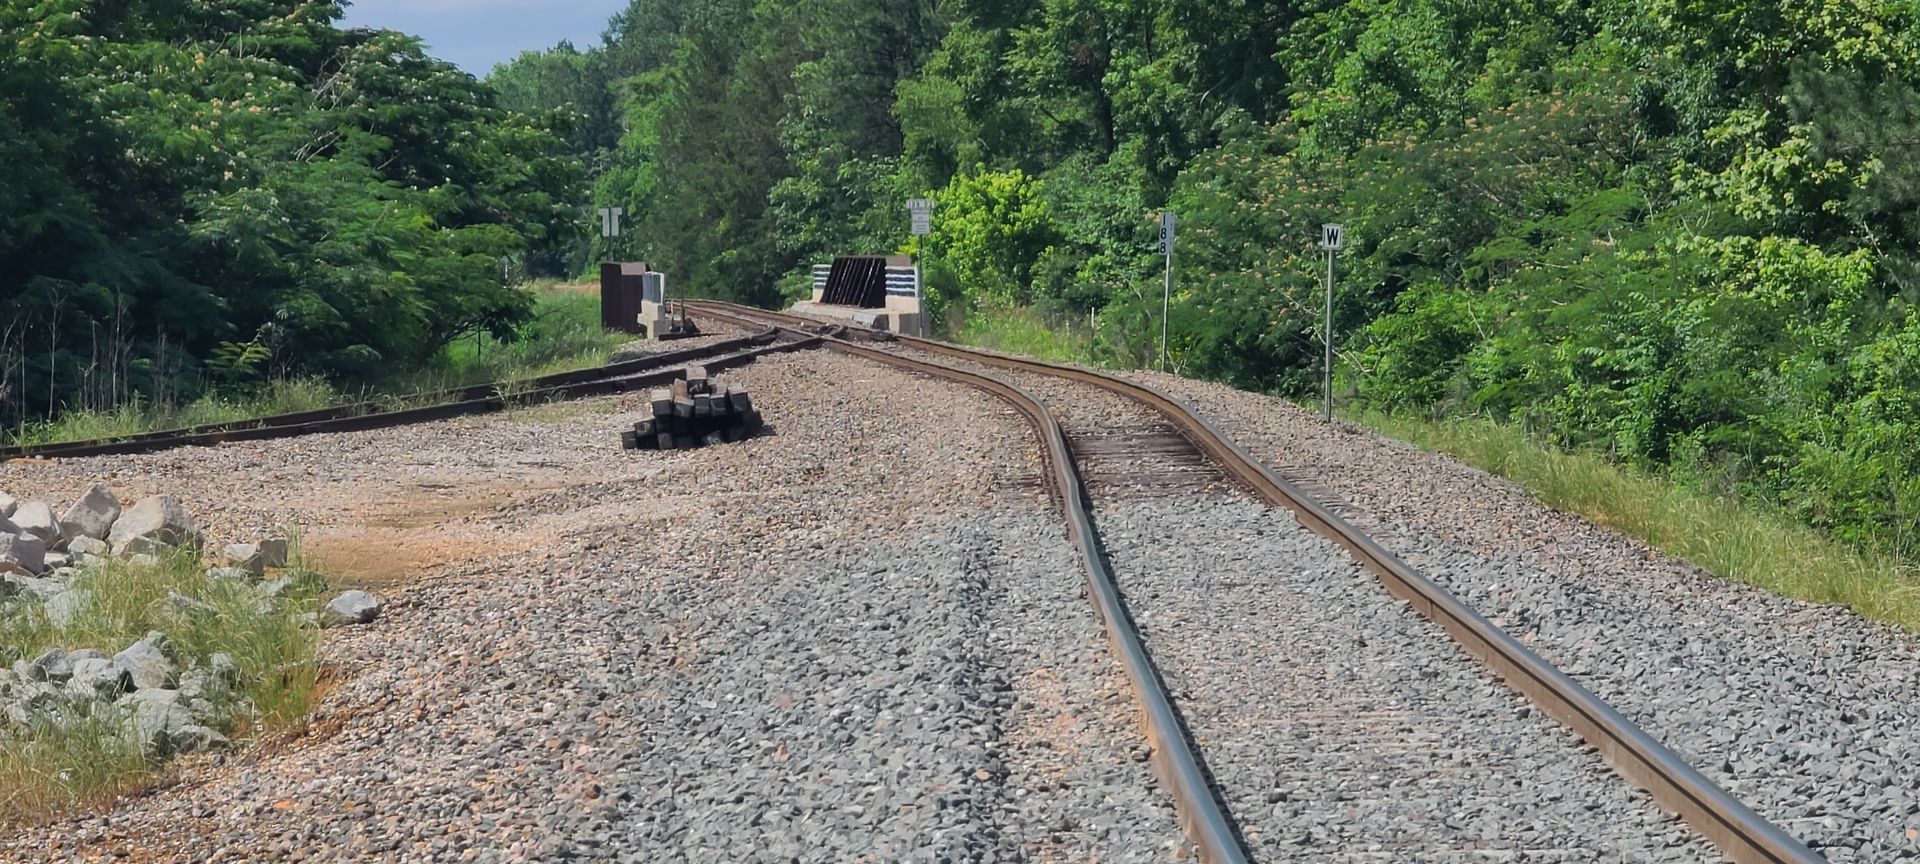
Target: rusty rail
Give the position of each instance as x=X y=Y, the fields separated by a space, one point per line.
x=476 y=399
x=1740 y=833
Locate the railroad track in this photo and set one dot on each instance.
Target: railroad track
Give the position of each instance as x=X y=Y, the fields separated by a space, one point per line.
x=1134 y=462
x=1739 y=833
x=640 y=373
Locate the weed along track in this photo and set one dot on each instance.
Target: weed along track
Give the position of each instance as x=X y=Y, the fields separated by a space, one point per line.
x=1295 y=711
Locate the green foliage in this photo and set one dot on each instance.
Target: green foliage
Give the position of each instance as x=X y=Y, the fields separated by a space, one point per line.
x=195 y=176
x=990 y=228
x=1679 y=234
x=1735 y=542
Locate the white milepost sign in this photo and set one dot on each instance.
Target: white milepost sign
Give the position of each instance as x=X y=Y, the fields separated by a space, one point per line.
x=1333 y=237
x=610 y=221
x=1167 y=220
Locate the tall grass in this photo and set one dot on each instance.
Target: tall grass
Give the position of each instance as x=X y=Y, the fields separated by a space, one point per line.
x=1725 y=537
x=284 y=396
x=55 y=765
x=1022 y=331
x=563 y=335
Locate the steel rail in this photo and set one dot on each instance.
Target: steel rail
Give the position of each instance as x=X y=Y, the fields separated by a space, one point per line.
x=1175 y=758
x=459 y=400
x=1741 y=834
x=620 y=377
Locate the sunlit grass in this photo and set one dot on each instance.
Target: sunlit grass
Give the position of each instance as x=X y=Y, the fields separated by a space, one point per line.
x=1725 y=537
x=52 y=766
x=1021 y=331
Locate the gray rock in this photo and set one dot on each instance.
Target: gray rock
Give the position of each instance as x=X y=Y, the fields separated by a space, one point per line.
x=158 y=518
x=8 y=504
x=352 y=607
x=37 y=519
x=27 y=672
x=22 y=554
x=273 y=552
x=231 y=574
x=156 y=714
x=54 y=665
x=149 y=661
x=93 y=515
x=182 y=606
x=64 y=605
x=245 y=556
x=222 y=665
x=40 y=588
x=82 y=548
x=57 y=561
x=195 y=738
x=80 y=654
x=294 y=582
x=146 y=560
x=99 y=678
x=32 y=703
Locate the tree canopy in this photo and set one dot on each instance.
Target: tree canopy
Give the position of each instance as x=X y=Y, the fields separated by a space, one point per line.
x=191 y=184
x=1682 y=232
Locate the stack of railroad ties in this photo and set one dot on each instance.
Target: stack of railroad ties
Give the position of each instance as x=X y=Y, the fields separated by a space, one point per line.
x=696 y=410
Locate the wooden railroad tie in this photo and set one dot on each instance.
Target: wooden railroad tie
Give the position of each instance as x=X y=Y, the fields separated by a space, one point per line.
x=696 y=411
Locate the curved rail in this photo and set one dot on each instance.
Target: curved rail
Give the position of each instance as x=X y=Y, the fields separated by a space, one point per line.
x=454 y=402
x=1175 y=759
x=476 y=399
x=1740 y=833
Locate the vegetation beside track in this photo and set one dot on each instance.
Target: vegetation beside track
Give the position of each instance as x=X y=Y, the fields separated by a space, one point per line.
x=563 y=334
x=92 y=755
x=1725 y=537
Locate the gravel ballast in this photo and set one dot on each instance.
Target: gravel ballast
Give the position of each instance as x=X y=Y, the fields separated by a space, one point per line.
x=863 y=635
x=1340 y=724
x=1808 y=713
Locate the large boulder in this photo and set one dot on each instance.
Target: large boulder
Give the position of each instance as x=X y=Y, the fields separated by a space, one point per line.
x=22 y=554
x=93 y=515
x=53 y=665
x=245 y=556
x=154 y=519
x=273 y=552
x=64 y=605
x=352 y=607
x=37 y=519
x=150 y=662
x=99 y=679
x=85 y=550
x=157 y=713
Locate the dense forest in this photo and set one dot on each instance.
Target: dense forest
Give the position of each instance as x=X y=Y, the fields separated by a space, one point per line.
x=1685 y=233
x=1682 y=232
x=200 y=194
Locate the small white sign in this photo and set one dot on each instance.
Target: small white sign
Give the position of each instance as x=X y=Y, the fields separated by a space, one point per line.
x=1333 y=237
x=1167 y=222
x=610 y=221
x=921 y=210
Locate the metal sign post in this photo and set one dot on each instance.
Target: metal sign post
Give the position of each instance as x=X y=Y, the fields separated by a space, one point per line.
x=1167 y=221
x=920 y=210
x=1332 y=238
x=610 y=226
